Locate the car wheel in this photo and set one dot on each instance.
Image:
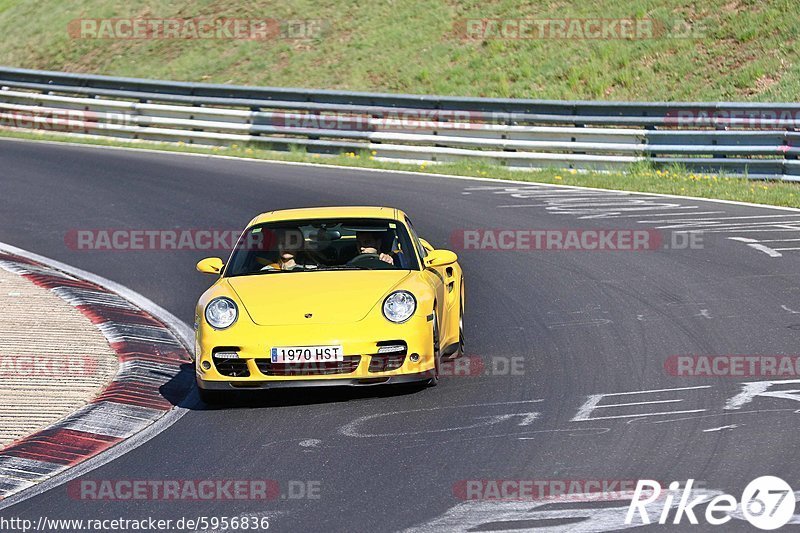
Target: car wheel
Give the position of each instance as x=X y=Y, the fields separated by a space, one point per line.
x=432 y=382
x=212 y=397
x=460 y=351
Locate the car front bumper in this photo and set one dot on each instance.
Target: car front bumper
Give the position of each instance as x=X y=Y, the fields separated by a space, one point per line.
x=300 y=383
x=360 y=341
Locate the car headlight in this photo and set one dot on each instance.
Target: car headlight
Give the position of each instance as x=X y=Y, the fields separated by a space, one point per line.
x=221 y=313
x=399 y=306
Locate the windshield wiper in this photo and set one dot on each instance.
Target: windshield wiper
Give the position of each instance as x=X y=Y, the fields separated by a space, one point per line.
x=260 y=272
x=345 y=267
x=323 y=269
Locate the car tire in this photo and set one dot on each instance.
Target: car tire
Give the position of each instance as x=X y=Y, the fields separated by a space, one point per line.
x=460 y=351
x=432 y=382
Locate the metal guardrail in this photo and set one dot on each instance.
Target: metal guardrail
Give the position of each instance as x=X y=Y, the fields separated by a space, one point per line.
x=754 y=139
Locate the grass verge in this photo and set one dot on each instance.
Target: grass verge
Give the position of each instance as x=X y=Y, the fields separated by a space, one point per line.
x=699 y=50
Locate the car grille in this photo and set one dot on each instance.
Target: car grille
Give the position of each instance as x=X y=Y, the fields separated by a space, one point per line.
x=385 y=362
x=349 y=365
x=233 y=368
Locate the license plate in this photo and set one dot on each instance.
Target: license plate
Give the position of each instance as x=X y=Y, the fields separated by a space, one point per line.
x=306 y=354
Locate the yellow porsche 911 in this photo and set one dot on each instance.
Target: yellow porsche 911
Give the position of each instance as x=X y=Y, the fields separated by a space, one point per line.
x=328 y=296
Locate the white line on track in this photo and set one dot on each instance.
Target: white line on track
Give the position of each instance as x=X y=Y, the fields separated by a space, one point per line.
x=637 y=215
x=631 y=404
x=769 y=251
x=653 y=391
x=753 y=243
x=718 y=218
x=778 y=229
x=731 y=426
x=731 y=226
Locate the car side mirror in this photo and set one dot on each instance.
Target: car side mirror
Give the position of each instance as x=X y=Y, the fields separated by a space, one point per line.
x=210 y=265
x=425 y=244
x=438 y=258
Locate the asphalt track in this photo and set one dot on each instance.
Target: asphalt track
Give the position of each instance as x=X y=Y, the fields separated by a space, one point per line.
x=581 y=323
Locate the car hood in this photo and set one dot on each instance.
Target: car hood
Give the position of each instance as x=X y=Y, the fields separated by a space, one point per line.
x=335 y=297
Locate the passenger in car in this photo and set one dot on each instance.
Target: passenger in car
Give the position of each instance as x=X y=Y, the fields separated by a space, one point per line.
x=291 y=255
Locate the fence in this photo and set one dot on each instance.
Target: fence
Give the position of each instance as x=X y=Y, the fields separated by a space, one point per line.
x=754 y=139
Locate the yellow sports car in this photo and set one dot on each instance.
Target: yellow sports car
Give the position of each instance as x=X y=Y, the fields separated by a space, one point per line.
x=328 y=296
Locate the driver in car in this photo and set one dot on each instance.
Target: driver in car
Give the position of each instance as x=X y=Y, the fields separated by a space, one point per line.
x=370 y=242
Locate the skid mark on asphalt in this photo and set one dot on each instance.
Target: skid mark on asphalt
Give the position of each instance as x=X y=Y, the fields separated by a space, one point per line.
x=629 y=407
x=613 y=411
x=704 y=313
x=525 y=418
x=519 y=435
x=580 y=323
x=675 y=215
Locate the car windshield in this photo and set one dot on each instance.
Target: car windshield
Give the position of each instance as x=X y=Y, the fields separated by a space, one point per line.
x=323 y=244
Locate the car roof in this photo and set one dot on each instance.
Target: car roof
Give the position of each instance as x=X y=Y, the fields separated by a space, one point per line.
x=358 y=211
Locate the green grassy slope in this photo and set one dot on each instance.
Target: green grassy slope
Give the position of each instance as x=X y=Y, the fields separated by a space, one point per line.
x=743 y=49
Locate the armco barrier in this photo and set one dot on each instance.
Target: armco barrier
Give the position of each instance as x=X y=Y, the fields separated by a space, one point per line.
x=758 y=140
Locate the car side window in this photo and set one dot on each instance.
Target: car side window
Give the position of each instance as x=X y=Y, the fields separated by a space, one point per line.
x=420 y=249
